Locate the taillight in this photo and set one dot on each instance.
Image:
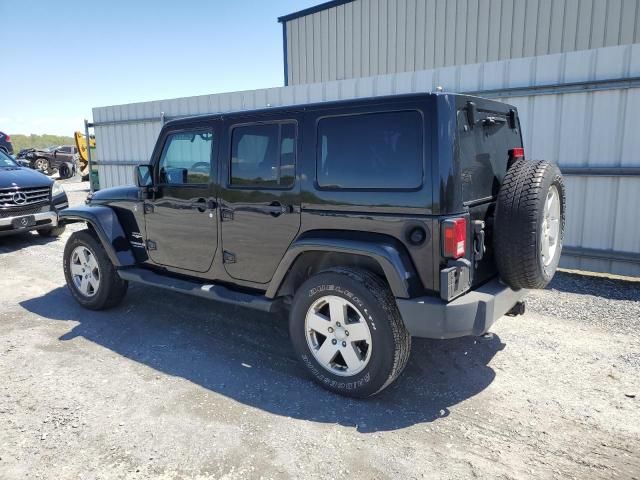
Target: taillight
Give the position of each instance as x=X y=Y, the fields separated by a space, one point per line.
x=516 y=153
x=7 y=137
x=454 y=237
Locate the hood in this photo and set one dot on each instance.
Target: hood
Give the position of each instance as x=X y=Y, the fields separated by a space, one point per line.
x=22 y=177
x=116 y=193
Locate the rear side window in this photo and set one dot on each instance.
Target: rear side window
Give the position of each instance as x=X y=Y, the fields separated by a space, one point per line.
x=484 y=153
x=263 y=155
x=378 y=150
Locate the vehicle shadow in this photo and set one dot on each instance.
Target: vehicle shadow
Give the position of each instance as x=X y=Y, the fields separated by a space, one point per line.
x=18 y=241
x=246 y=355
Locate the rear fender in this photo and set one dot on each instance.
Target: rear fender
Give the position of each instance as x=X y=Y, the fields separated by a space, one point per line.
x=105 y=223
x=393 y=262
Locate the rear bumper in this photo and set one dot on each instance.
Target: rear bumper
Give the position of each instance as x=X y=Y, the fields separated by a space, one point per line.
x=43 y=220
x=470 y=314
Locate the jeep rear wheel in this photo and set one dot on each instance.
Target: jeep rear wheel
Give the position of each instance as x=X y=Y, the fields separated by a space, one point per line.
x=529 y=224
x=347 y=331
x=90 y=275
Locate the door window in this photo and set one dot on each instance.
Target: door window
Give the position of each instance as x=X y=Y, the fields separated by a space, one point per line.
x=263 y=156
x=186 y=158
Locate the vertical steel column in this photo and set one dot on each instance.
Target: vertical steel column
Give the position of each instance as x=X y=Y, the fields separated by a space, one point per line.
x=86 y=134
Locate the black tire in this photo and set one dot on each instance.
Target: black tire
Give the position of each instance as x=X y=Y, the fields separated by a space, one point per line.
x=519 y=221
x=390 y=341
x=65 y=171
x=51 y=232
x=111 y=289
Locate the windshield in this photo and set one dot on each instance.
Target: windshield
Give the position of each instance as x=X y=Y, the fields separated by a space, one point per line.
x=6 y=160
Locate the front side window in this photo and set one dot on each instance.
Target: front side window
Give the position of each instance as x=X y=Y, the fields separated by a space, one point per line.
x=263 y=155
x=378 y=150
x=186 y=158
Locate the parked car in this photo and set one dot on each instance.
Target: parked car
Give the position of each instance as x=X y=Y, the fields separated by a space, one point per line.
x=61 y=158
x=370 y=220
x=5 y=144
x=29 y=200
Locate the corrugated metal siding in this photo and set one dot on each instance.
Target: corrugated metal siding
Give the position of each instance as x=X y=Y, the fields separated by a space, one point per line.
x=372 y=37
x=586 y=129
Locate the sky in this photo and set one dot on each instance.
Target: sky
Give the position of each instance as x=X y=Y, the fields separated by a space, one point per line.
x=60 y=58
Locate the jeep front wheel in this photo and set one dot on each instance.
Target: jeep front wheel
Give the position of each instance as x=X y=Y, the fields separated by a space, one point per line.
x=90 y=275
x=347 y=331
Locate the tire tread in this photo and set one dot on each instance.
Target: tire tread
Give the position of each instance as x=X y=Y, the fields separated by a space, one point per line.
x=518 y=212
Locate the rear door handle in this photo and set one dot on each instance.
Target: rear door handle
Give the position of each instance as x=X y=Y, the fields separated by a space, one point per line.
x=276 y=209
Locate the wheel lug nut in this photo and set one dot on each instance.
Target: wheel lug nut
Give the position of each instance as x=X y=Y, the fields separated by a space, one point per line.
x=344 y=344
x=346 y=332
x=337 y=324
x=330 y=330
x=334 y=341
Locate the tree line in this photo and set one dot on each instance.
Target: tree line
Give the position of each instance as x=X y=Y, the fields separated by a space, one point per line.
x=39 y=141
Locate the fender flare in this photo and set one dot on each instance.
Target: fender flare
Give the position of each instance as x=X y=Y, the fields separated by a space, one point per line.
x=105 y=223
x=395 y=263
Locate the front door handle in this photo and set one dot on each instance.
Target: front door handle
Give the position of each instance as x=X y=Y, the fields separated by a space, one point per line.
x=200 y=205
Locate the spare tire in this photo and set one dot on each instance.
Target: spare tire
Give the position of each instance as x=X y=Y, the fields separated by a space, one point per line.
x=529 y=224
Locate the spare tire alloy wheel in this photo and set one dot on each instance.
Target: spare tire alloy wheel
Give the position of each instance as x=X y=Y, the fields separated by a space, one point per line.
x=85 y=271
x=529 y=224
x=550 y=231
x=338 y=335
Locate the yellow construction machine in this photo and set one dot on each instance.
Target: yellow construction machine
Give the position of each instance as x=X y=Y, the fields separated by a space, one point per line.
x=83 y=153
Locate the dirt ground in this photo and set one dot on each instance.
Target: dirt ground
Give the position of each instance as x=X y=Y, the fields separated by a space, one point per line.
x=169 y=386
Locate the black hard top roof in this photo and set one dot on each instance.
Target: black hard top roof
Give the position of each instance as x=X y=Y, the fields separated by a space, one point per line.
x=309 y=106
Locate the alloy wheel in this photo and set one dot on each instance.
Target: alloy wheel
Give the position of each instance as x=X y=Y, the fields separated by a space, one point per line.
x=85 y=271
x=338 y=335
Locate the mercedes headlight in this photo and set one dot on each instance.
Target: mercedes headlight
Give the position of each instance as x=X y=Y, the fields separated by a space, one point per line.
x=56 y=189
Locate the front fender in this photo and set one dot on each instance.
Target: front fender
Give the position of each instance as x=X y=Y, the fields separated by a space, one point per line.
x=106 y=225
x=395 y=264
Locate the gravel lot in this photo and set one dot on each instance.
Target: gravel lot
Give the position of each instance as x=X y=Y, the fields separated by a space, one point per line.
x=168 y=386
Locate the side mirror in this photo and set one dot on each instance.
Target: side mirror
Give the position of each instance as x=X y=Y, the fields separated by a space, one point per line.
x=144 y=175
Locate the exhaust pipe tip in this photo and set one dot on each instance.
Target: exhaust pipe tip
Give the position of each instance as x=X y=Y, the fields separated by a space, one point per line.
x=517 y=309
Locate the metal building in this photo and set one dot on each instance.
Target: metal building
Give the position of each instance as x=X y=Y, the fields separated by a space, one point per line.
x=580 y=107
x=358 y=38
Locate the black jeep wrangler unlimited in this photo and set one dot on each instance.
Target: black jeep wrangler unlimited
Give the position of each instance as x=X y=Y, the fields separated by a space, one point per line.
x=370 y=220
